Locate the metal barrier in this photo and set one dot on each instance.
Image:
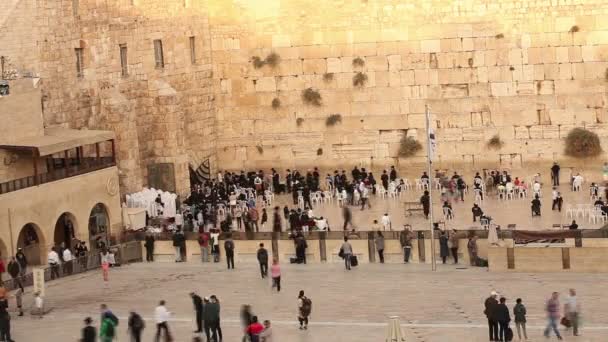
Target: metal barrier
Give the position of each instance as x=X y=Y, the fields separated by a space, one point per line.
x=123 y=254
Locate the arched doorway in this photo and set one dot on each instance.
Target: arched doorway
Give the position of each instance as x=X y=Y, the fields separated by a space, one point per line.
x=65 y=230
x=99 y=221
x=31 y=241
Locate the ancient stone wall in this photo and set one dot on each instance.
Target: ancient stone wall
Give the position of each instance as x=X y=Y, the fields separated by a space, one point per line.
x=527 y=71
x=160 y=114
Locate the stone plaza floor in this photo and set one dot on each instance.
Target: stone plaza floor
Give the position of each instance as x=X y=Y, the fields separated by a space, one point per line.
x=445 y=305
x=503 y=212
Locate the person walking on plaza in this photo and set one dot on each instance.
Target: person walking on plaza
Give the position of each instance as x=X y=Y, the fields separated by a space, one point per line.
x=444 y=250
x=472 y=249
x=490 y=311
x=229 y=249
x=264 y=218
x=105 y=265
x=477 y=212
x=22 y=260
x=107 y=329
x=149 y=244
x=519 y=313
x=501 y=315
x=89 y=333
x=266 y=335
x=555 y=174
x=203 y=243
x=161 y=315
x=304 y=310
x=386 y=222
x=453 y=244
x=67 y=261
x=348 y=217
x=572 y=309
x=178 y=240
x=425 y=200
x=347 y=251
x=405 y=239
x=211 y=317
x=553 y=315
x=216 y=302
x=53 y=261
x=379 y=241
x=275 y=273
x=135 y=326
x=197 y=301
x=263 y=260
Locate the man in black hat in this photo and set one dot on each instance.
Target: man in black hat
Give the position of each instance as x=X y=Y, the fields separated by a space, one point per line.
x=198 y=308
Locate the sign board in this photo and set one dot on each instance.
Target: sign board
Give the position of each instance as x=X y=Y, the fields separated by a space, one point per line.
x=38 y=274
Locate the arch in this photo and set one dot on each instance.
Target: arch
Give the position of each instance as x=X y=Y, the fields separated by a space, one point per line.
x=32 y=241
x=65 y=230
x=99 y=224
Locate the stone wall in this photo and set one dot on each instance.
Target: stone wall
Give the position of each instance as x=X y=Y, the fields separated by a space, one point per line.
x=160 y=115
x=527 y=71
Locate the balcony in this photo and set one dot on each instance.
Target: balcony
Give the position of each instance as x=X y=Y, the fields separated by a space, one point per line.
x=60 y=154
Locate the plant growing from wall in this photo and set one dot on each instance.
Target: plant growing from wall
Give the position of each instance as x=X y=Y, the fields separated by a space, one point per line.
x=358 y=62
x=495 y=142
x=328 y=77
x=582 y=143
x=311 y=97
x=299 y=121
x=319 y=151
x=257 y=62
x=272 y=59
x=333 y=120
x=276 y=103
x=408 y=146
x=499 y=36
x=260 y=149
x=574 y=29
x=359 y=79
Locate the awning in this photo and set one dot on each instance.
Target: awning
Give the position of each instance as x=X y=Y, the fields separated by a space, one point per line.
x=58 y=139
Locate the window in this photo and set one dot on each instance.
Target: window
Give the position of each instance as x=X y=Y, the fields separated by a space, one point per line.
x=79 y=62
x=124 y=66
x=158 y=54
x=192 y=50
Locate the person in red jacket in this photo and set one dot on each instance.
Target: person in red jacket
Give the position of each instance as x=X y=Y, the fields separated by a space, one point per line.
x=254 y=329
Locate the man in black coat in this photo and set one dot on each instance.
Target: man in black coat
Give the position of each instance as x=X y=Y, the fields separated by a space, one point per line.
x=384 y=179
x=149 y=244
x=425 y=200
x=393 y=174
x=490 y=307
x=263 y=260
x=198 y=309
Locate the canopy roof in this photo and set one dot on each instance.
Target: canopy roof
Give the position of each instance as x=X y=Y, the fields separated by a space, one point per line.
x=58 y=139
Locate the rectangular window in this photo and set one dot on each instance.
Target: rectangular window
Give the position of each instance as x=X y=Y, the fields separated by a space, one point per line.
x=79 y=62
x=158 y=54
x=124 y=66
x=192 y=50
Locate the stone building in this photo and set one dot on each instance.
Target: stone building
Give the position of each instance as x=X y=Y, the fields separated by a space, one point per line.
x=177 y=83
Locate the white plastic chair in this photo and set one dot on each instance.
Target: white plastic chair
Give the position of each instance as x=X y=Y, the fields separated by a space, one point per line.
x=327 y=197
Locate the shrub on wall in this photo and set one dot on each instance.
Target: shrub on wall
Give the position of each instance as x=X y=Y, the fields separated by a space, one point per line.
x=273 y=59
x=319 y=151
x=328 y=77
x=358 y=62
x=260 y=149
x=582 y=143
x=311 y=97
x=257 y=62
x=359 y=79
x=299 y=121
x=276 y=103
x=500 y=36
x=574 y=29
x=408 y=146
x=333 y=120
x=495 y=142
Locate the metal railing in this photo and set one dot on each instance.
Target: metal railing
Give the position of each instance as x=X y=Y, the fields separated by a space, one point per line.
x=87 y=165
x=123 y=254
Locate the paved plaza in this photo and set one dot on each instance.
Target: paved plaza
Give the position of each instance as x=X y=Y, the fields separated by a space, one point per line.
x=503 y=212
x=347 y=306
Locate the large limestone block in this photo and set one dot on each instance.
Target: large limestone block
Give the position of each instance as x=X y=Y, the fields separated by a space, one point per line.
x=334 y=65
x=289 y=67
x=314 y=66
x=503 y=89
x=314 y=51
x=416 y=121
x=565 y=71
x=266 y=84
x=432 y=45
x=548 y=54
x=376 y=63
x=347 y=64
x=590 y=53
x=561 y=54
x=281 y=40
x=365 y=49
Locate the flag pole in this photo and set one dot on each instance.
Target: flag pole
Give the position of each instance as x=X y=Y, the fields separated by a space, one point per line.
x=430 y=184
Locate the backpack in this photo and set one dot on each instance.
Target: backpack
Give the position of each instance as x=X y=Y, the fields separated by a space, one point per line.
x=138 y=322
x=306 y=306
x=229 y=245
x=112 y=317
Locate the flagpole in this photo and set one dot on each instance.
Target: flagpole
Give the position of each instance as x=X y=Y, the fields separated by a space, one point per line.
x=430 y=185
